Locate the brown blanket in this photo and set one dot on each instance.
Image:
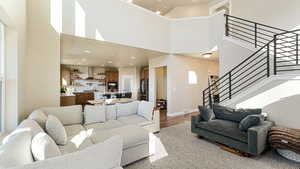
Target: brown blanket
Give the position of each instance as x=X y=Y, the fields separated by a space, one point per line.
x=285 y=138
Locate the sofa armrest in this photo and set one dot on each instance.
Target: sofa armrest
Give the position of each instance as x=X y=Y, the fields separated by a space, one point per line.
x=105 y=155
x=156 y=119
x=257 y=137
x=194 y=121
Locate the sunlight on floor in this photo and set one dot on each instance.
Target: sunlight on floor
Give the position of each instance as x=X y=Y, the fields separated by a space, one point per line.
x=272 y=95
x=156 y=148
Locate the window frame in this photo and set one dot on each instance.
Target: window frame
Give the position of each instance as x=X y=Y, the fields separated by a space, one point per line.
x=2 y=76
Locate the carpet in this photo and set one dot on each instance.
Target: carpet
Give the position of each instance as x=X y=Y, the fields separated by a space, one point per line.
x=177 y=148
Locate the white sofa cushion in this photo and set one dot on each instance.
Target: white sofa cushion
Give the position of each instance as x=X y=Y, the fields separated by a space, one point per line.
x=106 y=155
x=132 y=135
x=126 y=109
x=68 y=115
x=27 y=125
x=76 y=143
x=73 y=130
x=111 y=112
x=44 y=147
x=17 y=151
x=134 y=120
x=56 y=130
x=77 y=139
x=111 y=124
x=39 y=116
x=94 y=114
x=145 y=109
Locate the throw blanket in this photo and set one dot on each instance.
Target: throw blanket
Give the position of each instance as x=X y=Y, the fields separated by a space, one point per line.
x=285 y=138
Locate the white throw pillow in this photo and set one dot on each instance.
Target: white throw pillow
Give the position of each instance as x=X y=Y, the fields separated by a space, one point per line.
x=17 y=151
x=56 y=130
x=44 y=147
x=68 y=115
x=99 y=156
x=39 y=116
x=27 y=125
x=126 y=109
x=111 y=112
x=145 y=109
x=94 y=114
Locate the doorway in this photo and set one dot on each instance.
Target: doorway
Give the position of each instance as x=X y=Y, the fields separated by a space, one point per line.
x=161 y=91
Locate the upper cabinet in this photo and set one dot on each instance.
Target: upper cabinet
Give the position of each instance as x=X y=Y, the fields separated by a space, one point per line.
x=112 y=76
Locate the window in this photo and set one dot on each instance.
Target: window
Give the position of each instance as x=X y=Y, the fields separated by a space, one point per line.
x=2 y=77
x=193 y=78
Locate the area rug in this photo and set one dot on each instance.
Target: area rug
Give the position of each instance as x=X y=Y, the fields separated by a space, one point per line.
x=177 y=148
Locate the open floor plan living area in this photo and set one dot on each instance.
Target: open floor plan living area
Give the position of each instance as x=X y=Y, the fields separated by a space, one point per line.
x=149 y=84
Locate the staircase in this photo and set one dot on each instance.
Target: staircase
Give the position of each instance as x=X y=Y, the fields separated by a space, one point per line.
x=277 y=53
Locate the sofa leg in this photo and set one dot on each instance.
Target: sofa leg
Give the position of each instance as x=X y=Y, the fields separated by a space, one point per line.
x=234 y=151
x=200 y=137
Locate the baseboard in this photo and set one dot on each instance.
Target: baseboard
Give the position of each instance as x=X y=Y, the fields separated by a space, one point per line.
x=181 y=113
x=176 y=114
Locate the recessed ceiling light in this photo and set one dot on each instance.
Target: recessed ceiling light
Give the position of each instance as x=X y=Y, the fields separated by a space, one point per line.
x=102 y=65
x=87 y=51
x=158 y=12
x=110 y=62
x=207 y=55
x=133 y=57
x=84 y=59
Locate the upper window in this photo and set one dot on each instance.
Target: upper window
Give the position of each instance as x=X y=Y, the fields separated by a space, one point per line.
x=2 y=77
x=193 y=79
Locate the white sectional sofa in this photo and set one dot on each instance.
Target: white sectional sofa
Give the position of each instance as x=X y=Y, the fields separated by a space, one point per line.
x=131 y=122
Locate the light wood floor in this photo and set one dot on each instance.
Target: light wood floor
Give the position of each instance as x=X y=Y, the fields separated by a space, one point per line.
x=166 y=121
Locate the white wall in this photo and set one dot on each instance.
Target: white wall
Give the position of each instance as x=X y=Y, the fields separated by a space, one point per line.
x=118 y=22
x=198 y=34
x=280 y=13
x=42 y=63
x=188 y=11
x=232 y=53
x=182 y=96
x=13 y=15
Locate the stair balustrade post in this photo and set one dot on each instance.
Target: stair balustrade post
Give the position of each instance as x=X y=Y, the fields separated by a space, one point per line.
x=226 y=26
x=255 y=34
x=275 y=54
x=203 y=96
x=268 y=60
x=297 y=49
x=229 y=74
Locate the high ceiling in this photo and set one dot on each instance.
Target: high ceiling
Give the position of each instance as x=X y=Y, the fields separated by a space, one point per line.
x=164 y=6
x=88 y=52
